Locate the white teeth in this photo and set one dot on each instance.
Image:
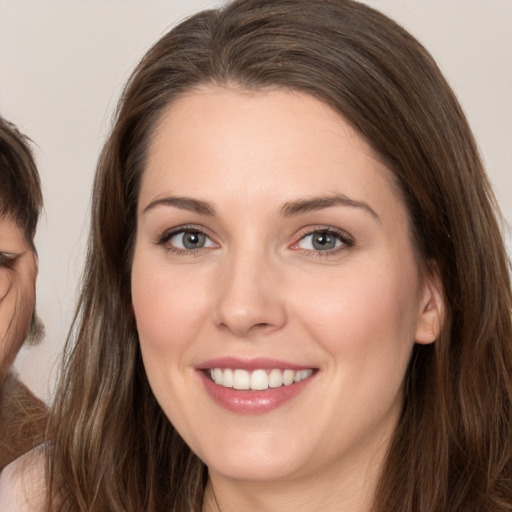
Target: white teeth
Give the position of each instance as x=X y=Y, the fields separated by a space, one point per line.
x=241 y=379
x=288 y=377
x=258 y=380
x=304 y=374
x=275 y=378
x=217 y=376
x=227 y=378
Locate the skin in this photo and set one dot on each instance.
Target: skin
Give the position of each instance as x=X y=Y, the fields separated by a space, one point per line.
x=259 y=288
x=22 y=483
x=18 y=271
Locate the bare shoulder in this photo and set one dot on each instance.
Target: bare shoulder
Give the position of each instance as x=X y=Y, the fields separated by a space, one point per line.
x=22 y=483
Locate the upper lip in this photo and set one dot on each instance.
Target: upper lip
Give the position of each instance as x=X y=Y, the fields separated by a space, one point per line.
x=257 y=363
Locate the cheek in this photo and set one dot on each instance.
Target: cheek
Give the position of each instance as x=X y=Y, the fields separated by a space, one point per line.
x=5 y=282
x=167 y=307
x=16 y=308
x=364 y=313
x=169 y=313
x=6 y=339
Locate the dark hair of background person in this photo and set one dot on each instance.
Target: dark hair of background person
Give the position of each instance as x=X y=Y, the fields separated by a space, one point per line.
x=114 y=448
x=20 y=188
x=22 y=415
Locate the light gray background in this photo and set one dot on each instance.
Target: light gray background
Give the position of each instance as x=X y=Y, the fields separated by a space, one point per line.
x=63 y=64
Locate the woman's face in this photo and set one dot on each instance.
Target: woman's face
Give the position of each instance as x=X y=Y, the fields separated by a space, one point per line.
x=273 y=255
x=18 y=271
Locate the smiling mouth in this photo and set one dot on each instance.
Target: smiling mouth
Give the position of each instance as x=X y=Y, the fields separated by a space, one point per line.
x=257 y=380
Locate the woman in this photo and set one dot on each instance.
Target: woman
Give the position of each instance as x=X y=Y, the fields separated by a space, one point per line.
x=296 y=293
x=22 y=415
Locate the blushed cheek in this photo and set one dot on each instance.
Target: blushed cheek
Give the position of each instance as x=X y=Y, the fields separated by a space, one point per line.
x=361 y=316
x=166 y=311
x=167 y=325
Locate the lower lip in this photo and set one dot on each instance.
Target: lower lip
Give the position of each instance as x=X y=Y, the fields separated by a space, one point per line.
x=252 y=402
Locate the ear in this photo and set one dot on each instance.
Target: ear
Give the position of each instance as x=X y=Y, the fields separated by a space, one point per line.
x=431 y=307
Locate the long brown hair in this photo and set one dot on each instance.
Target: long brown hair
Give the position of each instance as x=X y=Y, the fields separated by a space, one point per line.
x=114 y=448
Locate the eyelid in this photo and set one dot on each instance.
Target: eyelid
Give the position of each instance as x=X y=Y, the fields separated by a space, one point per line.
x=164 y=238
x=347 y=240
x=168 y=233
x=7 y=259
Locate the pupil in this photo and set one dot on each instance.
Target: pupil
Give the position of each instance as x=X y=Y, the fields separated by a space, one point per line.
x=323 y=241
x=193 y=240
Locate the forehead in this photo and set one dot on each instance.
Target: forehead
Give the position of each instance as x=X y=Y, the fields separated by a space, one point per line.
x=256 y=113
x=11 y=234
x=215 y=128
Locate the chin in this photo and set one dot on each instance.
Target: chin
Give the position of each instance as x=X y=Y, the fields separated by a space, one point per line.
x=261 y=470
x=257 y=462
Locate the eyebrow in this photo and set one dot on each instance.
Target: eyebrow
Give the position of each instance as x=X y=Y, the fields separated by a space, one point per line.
x=289 y=209
x=184 y=203
x=301 y=206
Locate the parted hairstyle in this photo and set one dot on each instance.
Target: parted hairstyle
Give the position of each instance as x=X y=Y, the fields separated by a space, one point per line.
x=20 y=188
x=113 y=447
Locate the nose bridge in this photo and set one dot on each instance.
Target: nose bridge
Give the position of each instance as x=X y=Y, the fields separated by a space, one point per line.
x=249 y=296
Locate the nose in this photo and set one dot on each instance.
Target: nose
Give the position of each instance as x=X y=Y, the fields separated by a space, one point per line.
x=250 y=297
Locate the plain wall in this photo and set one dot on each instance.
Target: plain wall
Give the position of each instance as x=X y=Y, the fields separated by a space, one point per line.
x=63 y=64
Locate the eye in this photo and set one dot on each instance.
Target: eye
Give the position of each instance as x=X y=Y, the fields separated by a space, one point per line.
x=324 y=240
x=7 y=259
x=187 y=240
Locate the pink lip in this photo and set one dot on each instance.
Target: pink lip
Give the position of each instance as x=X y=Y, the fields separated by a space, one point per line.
x=251 y=402
x=263 y=363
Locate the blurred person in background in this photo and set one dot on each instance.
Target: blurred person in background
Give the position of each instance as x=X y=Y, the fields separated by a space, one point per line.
x=22 y=415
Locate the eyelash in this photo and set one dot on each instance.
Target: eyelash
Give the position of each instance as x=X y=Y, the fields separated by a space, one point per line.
x=167 y=235
x=7 y=260
x=346 y=240
x=342 y=236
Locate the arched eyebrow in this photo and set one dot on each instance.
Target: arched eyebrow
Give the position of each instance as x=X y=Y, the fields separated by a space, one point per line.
x=289 y=209
x=183 y=203
x=301 y=206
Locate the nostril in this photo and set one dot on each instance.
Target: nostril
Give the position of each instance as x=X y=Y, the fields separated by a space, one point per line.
x=247 y=330
x=262 y=327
